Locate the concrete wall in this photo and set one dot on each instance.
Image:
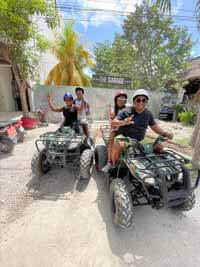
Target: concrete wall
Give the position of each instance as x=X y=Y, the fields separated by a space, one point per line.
x=6 y=96
x=98 y=98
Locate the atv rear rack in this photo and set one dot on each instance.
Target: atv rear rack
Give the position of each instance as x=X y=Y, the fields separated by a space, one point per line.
x=105 y=131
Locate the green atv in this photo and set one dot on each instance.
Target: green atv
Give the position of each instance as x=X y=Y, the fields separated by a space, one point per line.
x=144 y=177
x=62 y=148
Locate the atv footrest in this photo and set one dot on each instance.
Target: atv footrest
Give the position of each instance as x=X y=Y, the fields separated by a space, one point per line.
x=176 y=198
x=172 y=195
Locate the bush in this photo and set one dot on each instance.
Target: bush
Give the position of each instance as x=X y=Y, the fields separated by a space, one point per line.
x=187 y=118
x=178 y=109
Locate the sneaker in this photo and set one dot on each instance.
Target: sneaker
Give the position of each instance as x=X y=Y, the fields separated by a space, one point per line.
x=108 y=167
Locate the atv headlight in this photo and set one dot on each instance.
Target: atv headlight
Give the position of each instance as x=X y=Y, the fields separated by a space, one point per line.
x=150 y=181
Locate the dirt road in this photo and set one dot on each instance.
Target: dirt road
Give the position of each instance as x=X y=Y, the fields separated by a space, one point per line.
x=62 y=224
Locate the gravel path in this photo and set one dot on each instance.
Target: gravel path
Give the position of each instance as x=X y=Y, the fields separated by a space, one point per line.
x=62 y=224
x=15 y=173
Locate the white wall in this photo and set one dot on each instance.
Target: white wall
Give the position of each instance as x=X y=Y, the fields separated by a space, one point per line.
x=6 y=97
x=47 y=59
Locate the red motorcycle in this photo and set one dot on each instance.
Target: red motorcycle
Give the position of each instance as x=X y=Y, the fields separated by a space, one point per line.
x=11 y=132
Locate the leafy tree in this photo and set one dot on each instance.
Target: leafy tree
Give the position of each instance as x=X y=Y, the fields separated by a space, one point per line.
x=73 y=59
x=103 y=55
x=151 y=50
x=165 y=5
x=20 y=34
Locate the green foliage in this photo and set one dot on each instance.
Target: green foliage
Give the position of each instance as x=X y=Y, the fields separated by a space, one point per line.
x=179 y=108
x=187 y=118
x=104 y=55
x=20 y=32
x=151 y=50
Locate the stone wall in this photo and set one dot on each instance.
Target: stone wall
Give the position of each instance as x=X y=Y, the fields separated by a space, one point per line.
x=99 y=99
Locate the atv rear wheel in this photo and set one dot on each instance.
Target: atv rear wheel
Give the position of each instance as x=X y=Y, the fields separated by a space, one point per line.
x=121 y=204
x=100 y=157
x=6 y=145
x=39 y=164
x=188 y=204
x=86 y=164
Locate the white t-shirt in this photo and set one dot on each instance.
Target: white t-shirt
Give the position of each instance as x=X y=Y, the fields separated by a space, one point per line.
x=84 y=112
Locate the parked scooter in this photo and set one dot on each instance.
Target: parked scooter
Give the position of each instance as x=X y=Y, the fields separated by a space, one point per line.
x=11 y=132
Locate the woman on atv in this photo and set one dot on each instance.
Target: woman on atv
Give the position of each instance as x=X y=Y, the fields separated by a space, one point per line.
x=70 y=113
x=119 y=104
x=133 y=122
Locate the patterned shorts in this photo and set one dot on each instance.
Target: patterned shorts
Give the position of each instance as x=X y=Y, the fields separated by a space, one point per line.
x=121 y=136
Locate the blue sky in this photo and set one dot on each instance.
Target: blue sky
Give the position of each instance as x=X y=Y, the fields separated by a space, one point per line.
x=99 y=26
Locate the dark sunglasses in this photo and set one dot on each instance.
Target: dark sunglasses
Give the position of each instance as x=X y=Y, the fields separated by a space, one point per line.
x=138 y=100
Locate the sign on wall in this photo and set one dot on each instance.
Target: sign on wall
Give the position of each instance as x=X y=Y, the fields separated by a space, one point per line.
x=111 y=80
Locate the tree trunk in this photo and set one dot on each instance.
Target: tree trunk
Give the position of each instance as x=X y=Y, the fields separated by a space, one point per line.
x=22 y=92
x=195 y=143
x=195 y=131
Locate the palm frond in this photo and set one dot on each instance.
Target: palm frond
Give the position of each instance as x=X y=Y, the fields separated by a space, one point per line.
x=197 y=14
x=73 y=58
x=165 y=5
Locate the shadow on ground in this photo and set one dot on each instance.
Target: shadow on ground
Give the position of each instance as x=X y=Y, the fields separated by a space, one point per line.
x=56 y=184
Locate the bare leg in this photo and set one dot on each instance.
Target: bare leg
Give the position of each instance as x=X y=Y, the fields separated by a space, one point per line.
x=110 y=144
x=116 y=150
x=86 y=130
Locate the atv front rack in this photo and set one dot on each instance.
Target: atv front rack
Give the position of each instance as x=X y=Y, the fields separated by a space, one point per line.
x=59 y=140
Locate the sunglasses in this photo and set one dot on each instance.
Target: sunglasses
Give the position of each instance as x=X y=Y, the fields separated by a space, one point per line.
x=143 y=100
x=68 y=99
x=121 y=98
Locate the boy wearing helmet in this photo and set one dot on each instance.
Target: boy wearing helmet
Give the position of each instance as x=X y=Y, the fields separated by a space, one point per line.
x=133 y=122
x=69 y=112
x=83 y=109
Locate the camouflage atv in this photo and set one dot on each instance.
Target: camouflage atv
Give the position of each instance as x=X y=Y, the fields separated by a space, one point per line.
x=143 y=177
x=62 y=148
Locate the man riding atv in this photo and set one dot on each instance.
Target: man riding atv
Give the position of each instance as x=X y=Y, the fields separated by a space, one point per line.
x=133 y=122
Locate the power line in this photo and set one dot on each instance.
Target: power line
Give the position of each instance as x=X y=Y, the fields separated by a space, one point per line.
x=130 y=4
x=114 y=12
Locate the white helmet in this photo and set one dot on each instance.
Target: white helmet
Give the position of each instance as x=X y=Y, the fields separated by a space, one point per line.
x=141 y=92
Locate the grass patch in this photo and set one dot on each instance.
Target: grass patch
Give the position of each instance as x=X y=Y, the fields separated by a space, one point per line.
x=182 y=141
x=147 y=140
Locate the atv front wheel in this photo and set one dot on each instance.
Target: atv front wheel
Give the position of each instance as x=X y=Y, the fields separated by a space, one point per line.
x=188 y=204
x=86 y=164
x=100 y=157
x=121 y=204
x=39 y=164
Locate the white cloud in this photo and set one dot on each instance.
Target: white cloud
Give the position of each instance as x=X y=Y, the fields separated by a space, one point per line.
x=194 y=53
x=97 y=18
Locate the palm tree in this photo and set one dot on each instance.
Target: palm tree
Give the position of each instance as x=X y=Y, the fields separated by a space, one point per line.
x=73 y=58
x=165 y=5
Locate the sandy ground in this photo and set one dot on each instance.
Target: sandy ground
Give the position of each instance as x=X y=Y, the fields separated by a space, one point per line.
x=58 y=222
